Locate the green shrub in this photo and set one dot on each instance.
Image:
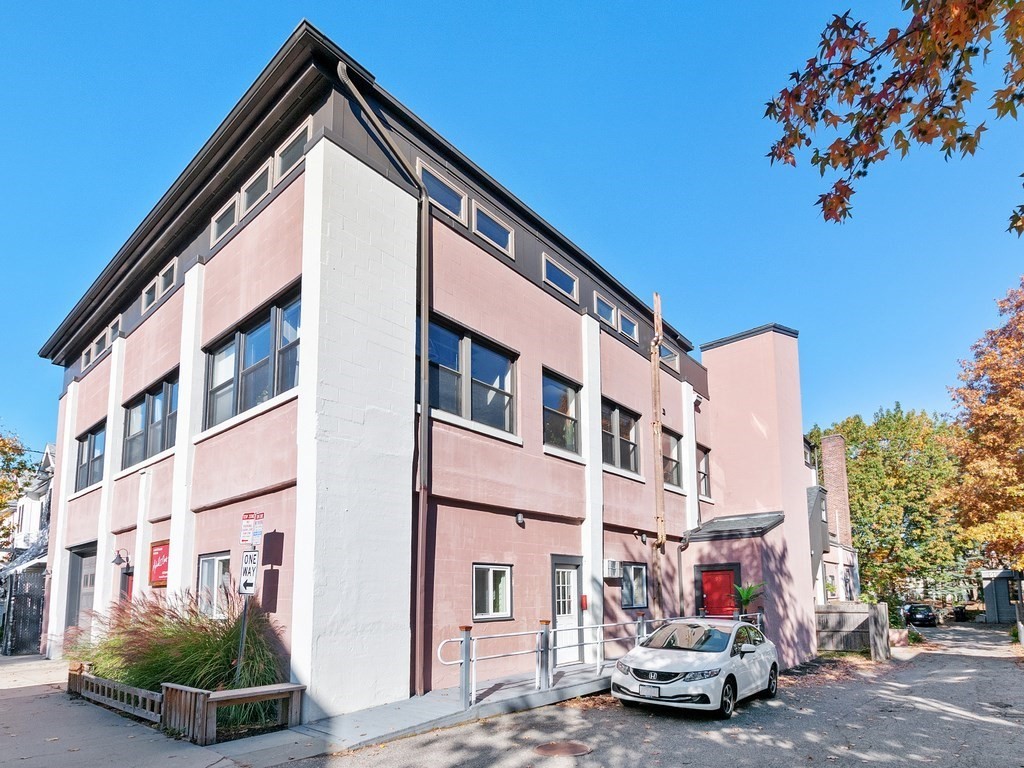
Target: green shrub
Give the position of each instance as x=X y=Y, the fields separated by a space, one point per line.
x=896 y=618
x=152 y=640
x=1015 y=633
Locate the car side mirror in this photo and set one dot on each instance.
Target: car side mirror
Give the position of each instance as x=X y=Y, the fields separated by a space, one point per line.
x=747 y=648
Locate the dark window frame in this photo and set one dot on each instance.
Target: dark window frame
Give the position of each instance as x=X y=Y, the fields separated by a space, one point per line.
x=574 y=388
x=89 y=467
x=167 y=392
x=272 y=315
x=633 y=604
x=672 y=466
x=466 y=382
x=615 y=459
x=704 y=472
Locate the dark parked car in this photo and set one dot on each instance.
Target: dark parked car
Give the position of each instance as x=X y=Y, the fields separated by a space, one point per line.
x=922 y=616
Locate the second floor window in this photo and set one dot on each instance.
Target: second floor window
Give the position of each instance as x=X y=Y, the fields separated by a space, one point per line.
x=91 y=448
x=470 y=378
x=151 y=422
x=254 y=364
x=618 y=437
x=703 y=472
x=561 y=420
x=670 y=447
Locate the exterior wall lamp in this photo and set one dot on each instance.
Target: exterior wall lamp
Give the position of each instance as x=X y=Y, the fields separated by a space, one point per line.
x=124 y=560
x=520 y=519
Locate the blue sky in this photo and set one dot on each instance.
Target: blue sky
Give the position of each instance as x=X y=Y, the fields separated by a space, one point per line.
x=635 y=129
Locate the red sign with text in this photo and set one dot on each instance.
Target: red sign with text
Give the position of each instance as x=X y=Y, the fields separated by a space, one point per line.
x=159 y=557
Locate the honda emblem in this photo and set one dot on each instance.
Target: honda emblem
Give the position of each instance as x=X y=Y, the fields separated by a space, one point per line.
x=652 y=675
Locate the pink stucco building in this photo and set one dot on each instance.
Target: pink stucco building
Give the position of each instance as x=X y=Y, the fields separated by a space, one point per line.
x=253 y=349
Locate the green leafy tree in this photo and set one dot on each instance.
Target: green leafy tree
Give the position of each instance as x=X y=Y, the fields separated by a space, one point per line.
x=14 y=468
x=861 y=97
x=899 y=466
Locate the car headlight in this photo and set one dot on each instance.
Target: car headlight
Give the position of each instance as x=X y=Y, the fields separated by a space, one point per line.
x=622 y=667
x=691 y=677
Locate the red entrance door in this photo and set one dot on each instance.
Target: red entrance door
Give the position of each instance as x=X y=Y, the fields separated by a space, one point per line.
x=719 y=595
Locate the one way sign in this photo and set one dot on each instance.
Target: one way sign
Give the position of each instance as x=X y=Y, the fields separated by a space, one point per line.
x=250 y=567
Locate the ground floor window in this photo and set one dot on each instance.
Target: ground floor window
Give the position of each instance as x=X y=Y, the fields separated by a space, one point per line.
x=634 y=585
x=214 y=583
x=492 y=591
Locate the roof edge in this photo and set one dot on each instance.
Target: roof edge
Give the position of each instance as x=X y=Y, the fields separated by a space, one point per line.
x=767 y=328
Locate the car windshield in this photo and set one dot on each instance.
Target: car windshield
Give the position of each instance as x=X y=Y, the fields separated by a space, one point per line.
x=705 y=638
x=920 y=608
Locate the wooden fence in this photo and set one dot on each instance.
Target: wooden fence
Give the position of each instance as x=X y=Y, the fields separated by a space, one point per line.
x=180 y=710
x=854 y=627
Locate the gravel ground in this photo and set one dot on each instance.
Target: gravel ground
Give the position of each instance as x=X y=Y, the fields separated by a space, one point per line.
x=957 y=701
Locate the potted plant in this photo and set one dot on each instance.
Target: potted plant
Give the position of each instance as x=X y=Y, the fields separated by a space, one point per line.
x=747 y=594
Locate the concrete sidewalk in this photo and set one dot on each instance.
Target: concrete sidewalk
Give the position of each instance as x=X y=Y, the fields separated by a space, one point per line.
x=42 y=727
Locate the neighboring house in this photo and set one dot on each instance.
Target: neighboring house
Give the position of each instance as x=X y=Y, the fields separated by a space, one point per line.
x=838 y=578
x=23 y=576
x=537 y=491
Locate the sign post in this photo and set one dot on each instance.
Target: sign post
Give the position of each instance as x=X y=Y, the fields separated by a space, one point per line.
x=251 y=535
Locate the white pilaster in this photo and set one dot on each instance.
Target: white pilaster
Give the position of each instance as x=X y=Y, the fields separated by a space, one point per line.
x=355 y=431
x=689 y=457
x=58 y=597
x=592 y=529
x=191 y=379
x=105 y=568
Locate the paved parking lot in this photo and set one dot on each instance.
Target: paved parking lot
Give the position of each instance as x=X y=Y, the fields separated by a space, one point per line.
x=959 y=701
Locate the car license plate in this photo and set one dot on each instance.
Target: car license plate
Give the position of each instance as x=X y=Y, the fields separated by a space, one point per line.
x=651 y=691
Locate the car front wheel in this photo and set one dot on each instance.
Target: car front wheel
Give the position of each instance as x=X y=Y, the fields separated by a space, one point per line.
x=773 y=683
x=728 y=703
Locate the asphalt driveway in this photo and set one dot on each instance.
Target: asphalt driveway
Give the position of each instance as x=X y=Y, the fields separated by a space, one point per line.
x=958 y=701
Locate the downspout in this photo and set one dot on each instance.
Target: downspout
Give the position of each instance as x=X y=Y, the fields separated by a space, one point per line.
x=423 y=253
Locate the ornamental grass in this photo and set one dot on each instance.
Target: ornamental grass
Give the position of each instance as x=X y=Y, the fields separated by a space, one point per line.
x=154 y=639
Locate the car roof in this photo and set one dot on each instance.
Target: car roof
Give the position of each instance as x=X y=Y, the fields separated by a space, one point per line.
x=707 y=620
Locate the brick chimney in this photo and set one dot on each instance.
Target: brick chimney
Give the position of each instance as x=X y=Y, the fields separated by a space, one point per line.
x=833 y=465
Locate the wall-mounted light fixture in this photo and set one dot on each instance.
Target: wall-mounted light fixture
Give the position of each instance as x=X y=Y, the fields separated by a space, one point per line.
x=124 y=560
x=641 y=536
x=520 y=519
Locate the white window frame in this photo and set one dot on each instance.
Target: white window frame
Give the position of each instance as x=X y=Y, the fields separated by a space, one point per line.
x=635 y=335
x=231 y=205
x=663 y=358
x=627 y=569
x=267 y=168
x=575 y=278
x=597 y=310
x=211 y=606
x=97 y=350
x=477 y=209
x=491 y=568
x=114 y=329
x=155 y=284
x=279 y=173
x=462 y=217
x=87 y=357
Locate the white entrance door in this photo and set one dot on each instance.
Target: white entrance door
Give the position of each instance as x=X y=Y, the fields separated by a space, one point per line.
x=566 y=614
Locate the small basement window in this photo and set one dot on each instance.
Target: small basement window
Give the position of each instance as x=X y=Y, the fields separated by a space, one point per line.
x=492 y=592
x=444 y=193
x=559 y=278
x=492 y=230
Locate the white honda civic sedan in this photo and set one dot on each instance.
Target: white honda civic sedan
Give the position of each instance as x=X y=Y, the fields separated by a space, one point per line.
x=700 y=664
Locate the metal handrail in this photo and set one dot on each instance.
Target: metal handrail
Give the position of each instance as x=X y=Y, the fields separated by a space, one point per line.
x=545 y=645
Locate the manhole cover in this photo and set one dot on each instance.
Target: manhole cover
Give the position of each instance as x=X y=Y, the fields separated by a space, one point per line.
x=562 y=749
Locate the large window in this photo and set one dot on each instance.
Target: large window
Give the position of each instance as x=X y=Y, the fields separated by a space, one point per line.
x=703 y=472
x=150 y=422
x=561 y=415
x=492 y=592
x=618 y=437
x=255 y=363
x=671 y=468
x=91 y=448
x=634 y=585
x=214 y=584
x=470 y=378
